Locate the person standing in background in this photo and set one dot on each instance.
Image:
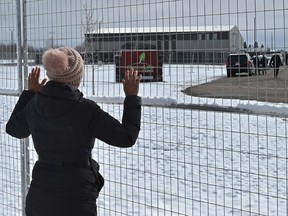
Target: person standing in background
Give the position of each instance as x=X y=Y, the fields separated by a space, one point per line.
x=263 y=65
x=275 y=63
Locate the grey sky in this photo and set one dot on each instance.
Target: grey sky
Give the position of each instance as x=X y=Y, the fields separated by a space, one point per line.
x=63 y=20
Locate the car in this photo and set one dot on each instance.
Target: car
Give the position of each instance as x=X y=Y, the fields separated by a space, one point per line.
x=239 y=63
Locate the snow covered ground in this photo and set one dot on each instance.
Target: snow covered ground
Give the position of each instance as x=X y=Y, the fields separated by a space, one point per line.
x=185 y=162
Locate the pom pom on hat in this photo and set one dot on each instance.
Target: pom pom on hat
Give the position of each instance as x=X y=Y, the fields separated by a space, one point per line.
x=64 y=65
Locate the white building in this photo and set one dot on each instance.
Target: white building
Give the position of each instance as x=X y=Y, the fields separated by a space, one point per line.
x=201 y=44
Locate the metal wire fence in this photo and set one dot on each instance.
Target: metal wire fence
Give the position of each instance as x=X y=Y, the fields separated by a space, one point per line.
x=213 y=137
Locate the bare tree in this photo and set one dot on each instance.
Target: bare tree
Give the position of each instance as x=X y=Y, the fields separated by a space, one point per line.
x=90 y=25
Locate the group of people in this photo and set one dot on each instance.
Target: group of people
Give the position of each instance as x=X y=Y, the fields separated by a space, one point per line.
x=261 y=64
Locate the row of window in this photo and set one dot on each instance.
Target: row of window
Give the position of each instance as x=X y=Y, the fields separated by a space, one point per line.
x=171 y=57
x=199 y=57
x=155 y=37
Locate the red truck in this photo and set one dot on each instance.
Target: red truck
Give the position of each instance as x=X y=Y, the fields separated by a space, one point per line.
x=148 y=63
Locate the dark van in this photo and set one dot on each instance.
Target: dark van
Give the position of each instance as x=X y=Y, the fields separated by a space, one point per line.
x=239 y=63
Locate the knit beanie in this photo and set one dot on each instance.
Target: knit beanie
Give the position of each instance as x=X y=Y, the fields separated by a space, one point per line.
x=64 y=65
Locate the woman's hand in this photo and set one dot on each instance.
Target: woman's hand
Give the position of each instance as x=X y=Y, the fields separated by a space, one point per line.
x=131 y=82
x=33 y=80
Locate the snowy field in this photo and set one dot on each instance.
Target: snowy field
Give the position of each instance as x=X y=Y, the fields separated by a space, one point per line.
x=185 y=162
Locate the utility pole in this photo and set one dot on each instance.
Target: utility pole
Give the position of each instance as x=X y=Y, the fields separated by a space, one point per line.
x=99 y=33
x=12 y=41
x=52 y=38
x=255 y=32
x=272 y=48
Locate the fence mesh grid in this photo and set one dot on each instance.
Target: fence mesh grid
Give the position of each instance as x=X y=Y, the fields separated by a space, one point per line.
x=213 y=138
x=10 y=172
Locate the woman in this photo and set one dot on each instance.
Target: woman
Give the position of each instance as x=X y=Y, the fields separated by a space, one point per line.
x=64 y=125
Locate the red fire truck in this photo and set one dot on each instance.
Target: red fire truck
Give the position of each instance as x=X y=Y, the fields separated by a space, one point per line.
x=148 y=63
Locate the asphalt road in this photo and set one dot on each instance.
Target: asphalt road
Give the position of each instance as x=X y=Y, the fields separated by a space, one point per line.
x=258 y=87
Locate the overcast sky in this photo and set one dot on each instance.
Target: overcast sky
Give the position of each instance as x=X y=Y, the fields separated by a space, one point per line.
x=64 y=20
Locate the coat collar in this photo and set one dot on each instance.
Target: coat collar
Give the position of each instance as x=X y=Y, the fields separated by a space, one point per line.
x=60 y=90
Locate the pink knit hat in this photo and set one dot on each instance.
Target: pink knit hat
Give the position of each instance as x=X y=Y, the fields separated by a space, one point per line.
x=64 y=65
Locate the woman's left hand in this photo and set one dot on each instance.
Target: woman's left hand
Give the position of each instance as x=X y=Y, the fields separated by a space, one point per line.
x=33 y=80
x=131 y=82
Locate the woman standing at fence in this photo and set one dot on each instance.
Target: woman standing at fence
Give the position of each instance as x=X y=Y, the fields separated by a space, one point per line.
x=64 y=125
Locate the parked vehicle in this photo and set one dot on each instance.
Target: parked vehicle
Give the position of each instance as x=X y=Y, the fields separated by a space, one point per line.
x=239 y=63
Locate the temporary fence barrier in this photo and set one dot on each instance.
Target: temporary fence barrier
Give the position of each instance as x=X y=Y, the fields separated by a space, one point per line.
x=210 y=143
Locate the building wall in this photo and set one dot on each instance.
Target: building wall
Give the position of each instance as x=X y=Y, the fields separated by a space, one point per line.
x=236 y=40
x=177 y=47
x=203 y=45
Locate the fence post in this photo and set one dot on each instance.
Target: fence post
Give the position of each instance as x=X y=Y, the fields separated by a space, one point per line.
x=19 y=46
x=22 y=57
x=25 y=180
x=25 y=44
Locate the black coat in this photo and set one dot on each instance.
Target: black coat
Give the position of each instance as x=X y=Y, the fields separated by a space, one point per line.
x=275 y=61
x=64 y=125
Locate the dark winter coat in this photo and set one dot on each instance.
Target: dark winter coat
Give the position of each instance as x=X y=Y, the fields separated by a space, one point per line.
x=275 y=61
x=64 y=125
x=263 y=62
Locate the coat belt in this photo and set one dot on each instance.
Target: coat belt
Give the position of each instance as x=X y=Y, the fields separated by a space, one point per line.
x=74 y=164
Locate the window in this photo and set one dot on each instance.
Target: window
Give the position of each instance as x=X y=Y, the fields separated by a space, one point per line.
x=193 y=36
x=160 y=37
x=224 y=35
x=208 y=36
x=173 y=36
x=201 y=36
x=173 y=44
x=187 y=36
